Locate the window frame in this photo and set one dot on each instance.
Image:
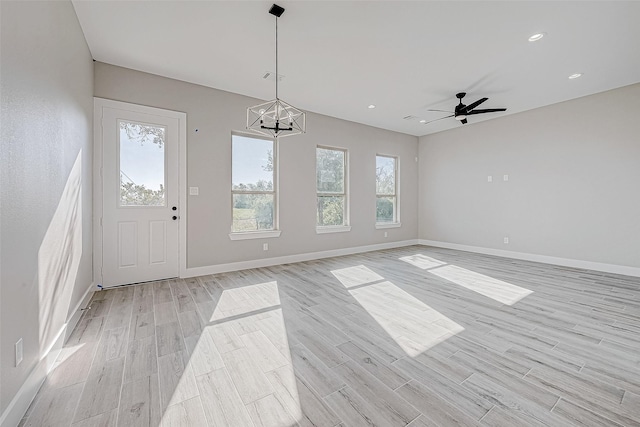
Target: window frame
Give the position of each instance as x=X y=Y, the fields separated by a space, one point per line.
x=395 y=223
x=344 y=227
x=258 y=234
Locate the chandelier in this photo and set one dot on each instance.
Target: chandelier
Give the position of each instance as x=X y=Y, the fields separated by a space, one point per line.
x=276 y=118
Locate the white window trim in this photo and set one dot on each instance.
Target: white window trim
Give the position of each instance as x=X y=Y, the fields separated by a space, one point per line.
x=383 y=225
x=325 y=229
x=246 y=235
x=260 y=234
x=396 y=223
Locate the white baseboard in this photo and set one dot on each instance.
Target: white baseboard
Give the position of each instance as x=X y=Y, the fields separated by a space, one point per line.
x=21 y=401
x=565 y=262
x=77 y=311
x=266 y=262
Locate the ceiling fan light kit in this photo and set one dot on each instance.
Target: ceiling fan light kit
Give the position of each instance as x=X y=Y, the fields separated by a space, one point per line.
x=276 y=118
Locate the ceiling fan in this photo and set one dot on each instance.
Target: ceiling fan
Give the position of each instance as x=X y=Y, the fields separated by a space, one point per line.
x=462 y=111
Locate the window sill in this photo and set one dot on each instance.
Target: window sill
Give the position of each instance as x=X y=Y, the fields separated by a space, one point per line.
x=383 y=225
x=255 y=235
x=333 y=229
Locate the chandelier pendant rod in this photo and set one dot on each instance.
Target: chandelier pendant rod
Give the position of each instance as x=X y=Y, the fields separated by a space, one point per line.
x=277 y=75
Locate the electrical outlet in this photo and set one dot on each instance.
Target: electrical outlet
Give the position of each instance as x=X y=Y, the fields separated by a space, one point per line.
x=506 y=240
x=386 y=234
x=18 y=351
x=265 y=246
x=505 y=177
x=194 y=191
x=489 y=178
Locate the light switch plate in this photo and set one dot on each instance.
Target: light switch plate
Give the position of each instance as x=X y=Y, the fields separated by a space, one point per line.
x=194 y=191
x=489 y=178
x=505 y=177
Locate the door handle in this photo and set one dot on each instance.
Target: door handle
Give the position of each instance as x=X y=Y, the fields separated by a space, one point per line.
x=174 y=208
x=174 y=217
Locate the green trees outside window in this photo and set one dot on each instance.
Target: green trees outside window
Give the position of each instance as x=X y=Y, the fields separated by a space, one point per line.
x=253 y=184
x=330 y=186
x=141 y=159
x=386 y=189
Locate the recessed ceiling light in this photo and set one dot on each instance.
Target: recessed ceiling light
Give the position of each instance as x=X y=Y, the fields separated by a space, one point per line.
x=575 y=76
x=536 y=37
x=423 y=121
x=371 y=106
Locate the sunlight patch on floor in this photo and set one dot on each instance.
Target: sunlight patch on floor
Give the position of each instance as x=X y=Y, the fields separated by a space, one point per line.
x=498 y=290
x=245 y=342
x=356 y=276
x=66 y=353
x=422 y=261
x=413 y=325
x=246 y=299
x=282 y=379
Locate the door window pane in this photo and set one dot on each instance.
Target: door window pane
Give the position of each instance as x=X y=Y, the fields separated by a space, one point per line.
x=142 y=162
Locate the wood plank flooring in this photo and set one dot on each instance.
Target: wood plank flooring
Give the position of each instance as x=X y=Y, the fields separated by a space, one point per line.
x=416 y=336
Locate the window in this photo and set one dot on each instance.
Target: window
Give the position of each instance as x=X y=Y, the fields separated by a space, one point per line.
x=386 y=190
x=253 y=184
x=142 y=161
x=331 y=189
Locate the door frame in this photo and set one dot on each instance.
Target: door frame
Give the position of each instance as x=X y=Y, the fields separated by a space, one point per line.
x=98 y=105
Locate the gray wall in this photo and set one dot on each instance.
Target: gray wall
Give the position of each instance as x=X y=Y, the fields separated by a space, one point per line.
x=574 y=181
x=45 y=179
x=216 y=114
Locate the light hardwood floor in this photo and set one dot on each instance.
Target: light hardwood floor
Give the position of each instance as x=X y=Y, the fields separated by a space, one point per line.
x=416 y=336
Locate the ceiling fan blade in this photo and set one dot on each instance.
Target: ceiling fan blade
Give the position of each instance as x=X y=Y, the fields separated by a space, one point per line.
x=442 y=111
x=475 y=104
x=437 y=119
x=488 y=110
x=463 y=121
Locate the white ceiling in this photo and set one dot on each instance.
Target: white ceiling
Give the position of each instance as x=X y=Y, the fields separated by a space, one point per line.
x=404 y=57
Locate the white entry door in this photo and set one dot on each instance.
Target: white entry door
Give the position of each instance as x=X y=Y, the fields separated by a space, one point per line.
x=140 y=212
